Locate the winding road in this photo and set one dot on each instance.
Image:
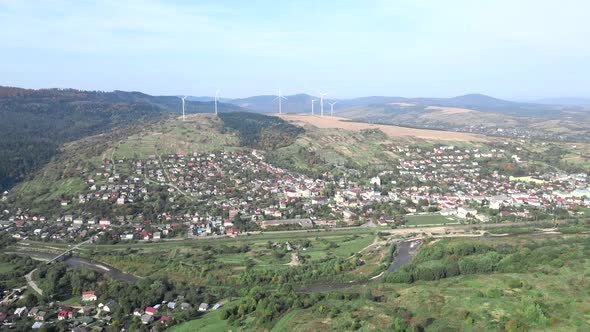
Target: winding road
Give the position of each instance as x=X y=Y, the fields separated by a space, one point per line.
x=31 y=283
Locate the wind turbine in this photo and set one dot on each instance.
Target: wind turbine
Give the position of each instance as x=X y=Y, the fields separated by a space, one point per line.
x=280 y=98
x=322 y=103
x=312 y=101
x=183 y=98
x=216 y=99
x=332 y=108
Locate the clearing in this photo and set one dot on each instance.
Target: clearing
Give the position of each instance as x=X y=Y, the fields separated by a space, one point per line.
x=449 y=110
x=391 y=131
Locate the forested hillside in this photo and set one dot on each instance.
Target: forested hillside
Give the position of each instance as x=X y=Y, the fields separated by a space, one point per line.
x=261 y=131
x=36 y=122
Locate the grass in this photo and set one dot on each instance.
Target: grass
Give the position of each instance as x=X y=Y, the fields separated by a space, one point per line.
x=422 y=220
x=205 y=261
x=337 y=147
x=526 y=179
x=545 y=298
x=200 y=133
x=6 y=267
x=209 y=322
x=43 y=188
x=72 y=301
x=284 y=324
x=353 y=246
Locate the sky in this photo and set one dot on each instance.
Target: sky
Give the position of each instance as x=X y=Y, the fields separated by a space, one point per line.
x=514 y=49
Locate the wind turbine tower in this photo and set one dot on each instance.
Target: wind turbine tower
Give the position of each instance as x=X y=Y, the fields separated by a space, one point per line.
x=183 y=98
x=216 y=99
x=322 y=103
x=332 y=108
x=280 y=98
x=312 y=101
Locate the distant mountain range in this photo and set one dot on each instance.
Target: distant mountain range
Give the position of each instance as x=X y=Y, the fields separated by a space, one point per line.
x=301 y=103
x=565 y=101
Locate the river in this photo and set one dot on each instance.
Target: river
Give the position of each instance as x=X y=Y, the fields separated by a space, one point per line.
x=79 y=263
x=404 y=253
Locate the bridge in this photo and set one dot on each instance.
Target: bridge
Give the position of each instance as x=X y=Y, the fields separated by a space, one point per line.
x=58 y=257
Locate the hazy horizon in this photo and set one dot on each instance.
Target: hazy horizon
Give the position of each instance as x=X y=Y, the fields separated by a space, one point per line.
x=522 y=51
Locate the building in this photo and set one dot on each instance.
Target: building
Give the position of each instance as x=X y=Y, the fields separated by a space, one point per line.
x=89 y=296
x=33 y=312
x=146 y=319
x=36 y=325
x=204 y=307
x=164 y=320
x=65 y=314
x=20 y=312
x=40 y=315
x=463 y=212
x=109 y=306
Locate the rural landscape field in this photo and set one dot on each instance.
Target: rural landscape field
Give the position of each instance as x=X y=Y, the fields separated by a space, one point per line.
x=296 y=166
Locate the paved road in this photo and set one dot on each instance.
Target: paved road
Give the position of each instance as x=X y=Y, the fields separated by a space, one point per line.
x=450 y=228
x=31 y=283
x=170 y=181
x=397 y=231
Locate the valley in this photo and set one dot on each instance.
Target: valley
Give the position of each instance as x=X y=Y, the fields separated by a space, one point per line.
x=321 y=210
x=294 y=166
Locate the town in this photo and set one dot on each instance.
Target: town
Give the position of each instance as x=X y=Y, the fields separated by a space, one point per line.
x=229 y=193
x=91 y=311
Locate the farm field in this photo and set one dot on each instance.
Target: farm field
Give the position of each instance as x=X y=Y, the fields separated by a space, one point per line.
x=391 y=131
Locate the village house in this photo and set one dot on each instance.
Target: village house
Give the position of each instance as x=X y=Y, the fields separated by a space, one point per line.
x=21 y=312
x=109 y=305
x=89 y=296
x=65 y=314
x=203 y=307
x=164 y=320
x=463 y=212
x=36 y=325
x=40 y=315
x=147 y=319
x=33 y=312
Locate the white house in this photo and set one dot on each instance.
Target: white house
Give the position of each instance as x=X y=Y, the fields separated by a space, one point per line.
x=463 y=212
x=203 y=307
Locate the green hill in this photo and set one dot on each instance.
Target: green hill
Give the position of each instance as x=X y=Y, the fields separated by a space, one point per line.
x=36 y=123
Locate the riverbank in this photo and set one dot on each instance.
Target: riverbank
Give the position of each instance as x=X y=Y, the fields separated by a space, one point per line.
x=80 y=262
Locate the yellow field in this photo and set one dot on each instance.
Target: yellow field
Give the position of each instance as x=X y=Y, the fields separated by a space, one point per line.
x=391 y=131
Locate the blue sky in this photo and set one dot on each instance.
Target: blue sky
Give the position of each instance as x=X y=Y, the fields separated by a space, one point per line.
x=515 y=49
